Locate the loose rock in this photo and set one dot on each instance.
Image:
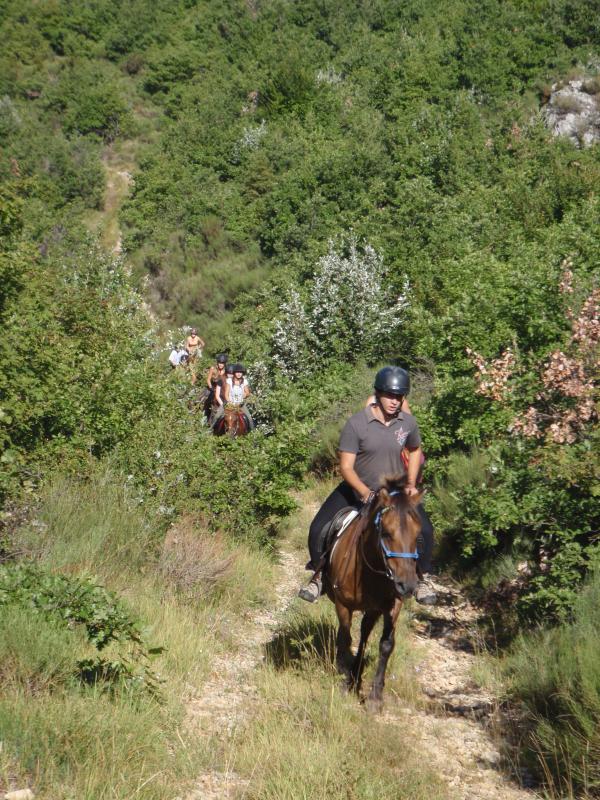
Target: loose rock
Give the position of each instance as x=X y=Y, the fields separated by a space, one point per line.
x=573 y=111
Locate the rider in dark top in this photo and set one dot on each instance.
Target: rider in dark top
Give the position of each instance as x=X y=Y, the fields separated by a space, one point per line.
x=214 y=376
x=371 y=446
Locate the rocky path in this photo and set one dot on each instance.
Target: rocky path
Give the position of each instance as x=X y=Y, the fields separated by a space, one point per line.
x=118 y=182
x=454 y=726
x=227 y=697
x=457 y=727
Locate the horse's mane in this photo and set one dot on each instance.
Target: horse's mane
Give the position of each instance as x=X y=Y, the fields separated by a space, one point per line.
x=395 y=483
x=401 y=501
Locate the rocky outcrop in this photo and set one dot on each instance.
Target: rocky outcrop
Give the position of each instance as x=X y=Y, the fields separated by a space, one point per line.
x=573 y=110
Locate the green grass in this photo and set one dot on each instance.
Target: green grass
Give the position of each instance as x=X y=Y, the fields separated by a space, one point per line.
x=36 y=653
x=302 y=737
x=555 y=676
x=306 y=739
x=68 y=744
x=63 y=739
x=91 y=526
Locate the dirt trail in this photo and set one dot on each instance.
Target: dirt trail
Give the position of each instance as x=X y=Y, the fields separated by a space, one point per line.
x=457 y=727
x=227 y=697
x=454 y=728
x=118 y=161
x=118 y=181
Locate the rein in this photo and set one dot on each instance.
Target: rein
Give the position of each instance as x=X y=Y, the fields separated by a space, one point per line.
x=384 y=550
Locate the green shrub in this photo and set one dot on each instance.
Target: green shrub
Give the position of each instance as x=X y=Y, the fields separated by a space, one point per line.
x=555 y=677
x=73 y=601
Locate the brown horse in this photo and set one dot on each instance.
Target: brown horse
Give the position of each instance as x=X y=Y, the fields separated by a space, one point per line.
x=233 y=423
x=372 y=568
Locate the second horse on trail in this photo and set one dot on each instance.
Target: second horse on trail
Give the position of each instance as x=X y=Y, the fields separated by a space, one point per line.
x=372 y=568
x=233 y=423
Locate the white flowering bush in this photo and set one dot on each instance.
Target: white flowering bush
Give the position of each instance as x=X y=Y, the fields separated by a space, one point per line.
x=348 y=313
x=293 y=336
x=329 y=76
x=251 y=137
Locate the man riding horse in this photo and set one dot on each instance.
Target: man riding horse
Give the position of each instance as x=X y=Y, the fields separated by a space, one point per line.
x=371 y=446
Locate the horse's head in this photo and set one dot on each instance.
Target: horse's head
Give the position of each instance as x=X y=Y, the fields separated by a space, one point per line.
x=398 y=525
x=234 y=421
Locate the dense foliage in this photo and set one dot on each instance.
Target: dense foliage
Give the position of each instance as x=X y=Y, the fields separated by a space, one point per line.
x=319 y=188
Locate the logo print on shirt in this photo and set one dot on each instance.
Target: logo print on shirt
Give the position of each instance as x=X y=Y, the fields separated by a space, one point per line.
x=401 y=436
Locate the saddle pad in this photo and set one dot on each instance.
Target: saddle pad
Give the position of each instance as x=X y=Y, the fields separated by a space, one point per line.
x=352 y=514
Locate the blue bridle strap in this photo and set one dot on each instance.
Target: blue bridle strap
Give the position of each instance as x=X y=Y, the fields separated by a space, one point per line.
x=390 y=553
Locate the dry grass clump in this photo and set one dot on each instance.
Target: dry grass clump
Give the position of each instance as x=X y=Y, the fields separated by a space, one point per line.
x=194 y=561
x=567 y=103
x=591 y=85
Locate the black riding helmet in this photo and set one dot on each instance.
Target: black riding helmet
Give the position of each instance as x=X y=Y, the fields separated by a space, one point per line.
x=393 y=380
x=221 y=358
x=229 y=369
x=239 y=368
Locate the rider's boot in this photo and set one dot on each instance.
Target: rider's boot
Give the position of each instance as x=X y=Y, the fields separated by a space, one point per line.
x=313 y=590
x=425 y=593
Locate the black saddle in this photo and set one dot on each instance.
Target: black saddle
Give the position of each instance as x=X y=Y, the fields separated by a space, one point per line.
x=330 y=530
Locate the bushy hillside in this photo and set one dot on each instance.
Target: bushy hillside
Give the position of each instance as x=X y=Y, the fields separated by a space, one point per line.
x=320 y=188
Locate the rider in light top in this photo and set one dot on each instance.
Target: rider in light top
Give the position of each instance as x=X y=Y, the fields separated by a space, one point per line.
x=237 y=390
x=370 y=448
x=233 y=390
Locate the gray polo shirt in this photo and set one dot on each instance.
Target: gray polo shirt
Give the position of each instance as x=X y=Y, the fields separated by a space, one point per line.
x=378 y=447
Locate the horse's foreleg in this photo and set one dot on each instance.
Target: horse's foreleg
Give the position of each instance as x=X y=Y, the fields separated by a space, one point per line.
x=386 y=647
x=343 y=642
x=368 y=622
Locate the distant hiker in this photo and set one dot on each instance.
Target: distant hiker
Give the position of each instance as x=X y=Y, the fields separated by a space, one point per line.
x=371 y=446
x=194 y=345
x=178 y=357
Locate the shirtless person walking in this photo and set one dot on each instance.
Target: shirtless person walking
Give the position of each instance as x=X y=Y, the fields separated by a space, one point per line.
x=194 y=345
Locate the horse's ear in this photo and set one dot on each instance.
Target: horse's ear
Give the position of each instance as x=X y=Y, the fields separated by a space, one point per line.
x=384 y=497
x=415 y=499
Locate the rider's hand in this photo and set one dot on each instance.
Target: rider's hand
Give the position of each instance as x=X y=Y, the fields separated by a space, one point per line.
x=367 y=497
x=411 y=490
